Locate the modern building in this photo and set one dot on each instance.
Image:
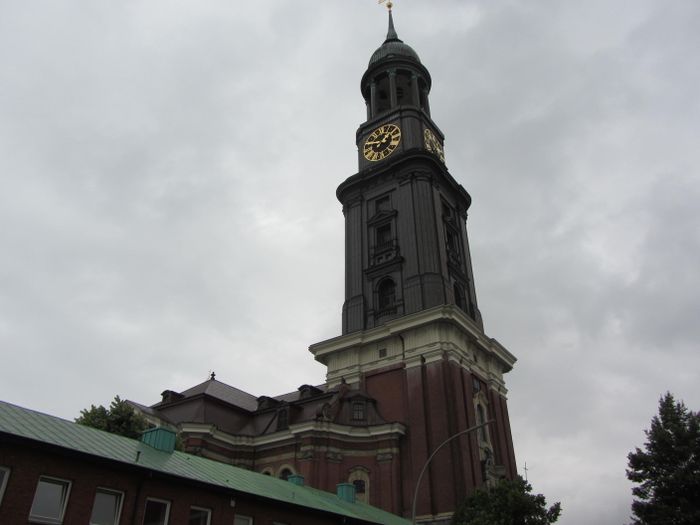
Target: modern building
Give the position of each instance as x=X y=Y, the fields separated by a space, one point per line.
x=413 y=365
x=55 y=471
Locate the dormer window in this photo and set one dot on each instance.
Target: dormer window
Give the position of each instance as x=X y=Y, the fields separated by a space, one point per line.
x=283 y=419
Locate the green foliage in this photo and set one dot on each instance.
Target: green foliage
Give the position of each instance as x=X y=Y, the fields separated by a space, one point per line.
x=668 y=469
x=508 y=502
x=120 y=419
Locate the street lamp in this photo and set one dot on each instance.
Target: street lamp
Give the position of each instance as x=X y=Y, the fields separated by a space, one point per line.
x=427 y=462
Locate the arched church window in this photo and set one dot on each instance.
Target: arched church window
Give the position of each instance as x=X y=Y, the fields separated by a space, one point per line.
x=386 y=294
x=359 y=477
x=285 y=473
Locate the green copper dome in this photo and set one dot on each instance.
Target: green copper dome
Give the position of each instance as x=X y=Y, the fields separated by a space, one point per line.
x=393 y=47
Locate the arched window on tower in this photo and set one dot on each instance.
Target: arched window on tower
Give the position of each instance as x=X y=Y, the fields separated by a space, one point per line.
x=460 y=301
x=383 y=95
x=386 y=294
x=404 y=89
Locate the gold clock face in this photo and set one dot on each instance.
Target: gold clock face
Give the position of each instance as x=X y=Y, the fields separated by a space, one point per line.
x=432 y=144
x=382 y=142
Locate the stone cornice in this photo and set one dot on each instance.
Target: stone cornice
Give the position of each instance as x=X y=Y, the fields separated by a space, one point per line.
x=439 y=314
x=344 y=432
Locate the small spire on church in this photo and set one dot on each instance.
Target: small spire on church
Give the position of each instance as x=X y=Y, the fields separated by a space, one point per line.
x=213 y=375
x=391 y=33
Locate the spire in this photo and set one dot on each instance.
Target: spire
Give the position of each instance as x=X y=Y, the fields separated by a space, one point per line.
x=391 y=34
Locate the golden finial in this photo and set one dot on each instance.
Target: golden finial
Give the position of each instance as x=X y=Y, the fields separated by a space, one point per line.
x=389 y=4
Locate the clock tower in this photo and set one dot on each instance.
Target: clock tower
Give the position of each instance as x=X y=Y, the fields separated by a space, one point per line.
x=413 y=337
x=413 y=366
x=406 y=238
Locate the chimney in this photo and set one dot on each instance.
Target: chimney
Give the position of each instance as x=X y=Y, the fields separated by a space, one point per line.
x=160 y=438
x=346 y=492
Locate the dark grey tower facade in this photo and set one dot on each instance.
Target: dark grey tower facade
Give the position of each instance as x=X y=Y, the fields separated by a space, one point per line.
x=406 y=248
x=413 y=340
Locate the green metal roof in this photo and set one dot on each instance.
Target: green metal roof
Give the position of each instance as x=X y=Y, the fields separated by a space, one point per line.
x=47 y=429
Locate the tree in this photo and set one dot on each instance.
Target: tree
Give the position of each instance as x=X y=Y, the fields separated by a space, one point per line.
x=120 y=419
x=668 y=469
x=508 y=502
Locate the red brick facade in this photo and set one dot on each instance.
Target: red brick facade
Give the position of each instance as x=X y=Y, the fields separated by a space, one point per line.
x=27 y=462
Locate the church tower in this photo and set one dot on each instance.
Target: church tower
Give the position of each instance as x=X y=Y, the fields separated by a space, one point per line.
x=413 y=365
x=412 y=334
x=406 y=242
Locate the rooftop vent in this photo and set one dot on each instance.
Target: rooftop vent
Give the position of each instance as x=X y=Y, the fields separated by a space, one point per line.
x=297 y=479
x=160 y=438
x=346 y=492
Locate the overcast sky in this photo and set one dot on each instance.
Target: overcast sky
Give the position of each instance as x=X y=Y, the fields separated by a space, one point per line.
x=167 y=203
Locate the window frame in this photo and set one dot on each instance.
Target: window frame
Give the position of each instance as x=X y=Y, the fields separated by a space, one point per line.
x=241 y=516
x=205 y=509
x=359 y=410
x=113 y=492
x=362 y=474
x=3 y=483
x=65 y=496
x=383 y=235
x=157 y=500
x=386 y=294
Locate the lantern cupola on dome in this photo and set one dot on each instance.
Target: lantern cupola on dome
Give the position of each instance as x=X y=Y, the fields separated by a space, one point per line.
x=395 y=77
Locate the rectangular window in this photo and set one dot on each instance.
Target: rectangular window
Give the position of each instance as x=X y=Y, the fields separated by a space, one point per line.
x=199 y=516
x=242 y=520
x=383 y=235
x=157 y=512
x=358 y=411
x=4 y=476
x=50 y=500
x=106 y=508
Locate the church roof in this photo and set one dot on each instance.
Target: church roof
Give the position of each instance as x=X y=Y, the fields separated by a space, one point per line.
x=49 y=430
x=393 y=47
x=224 y=392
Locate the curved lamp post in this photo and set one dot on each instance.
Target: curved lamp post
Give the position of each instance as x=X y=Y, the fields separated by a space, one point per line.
x=427 y=462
